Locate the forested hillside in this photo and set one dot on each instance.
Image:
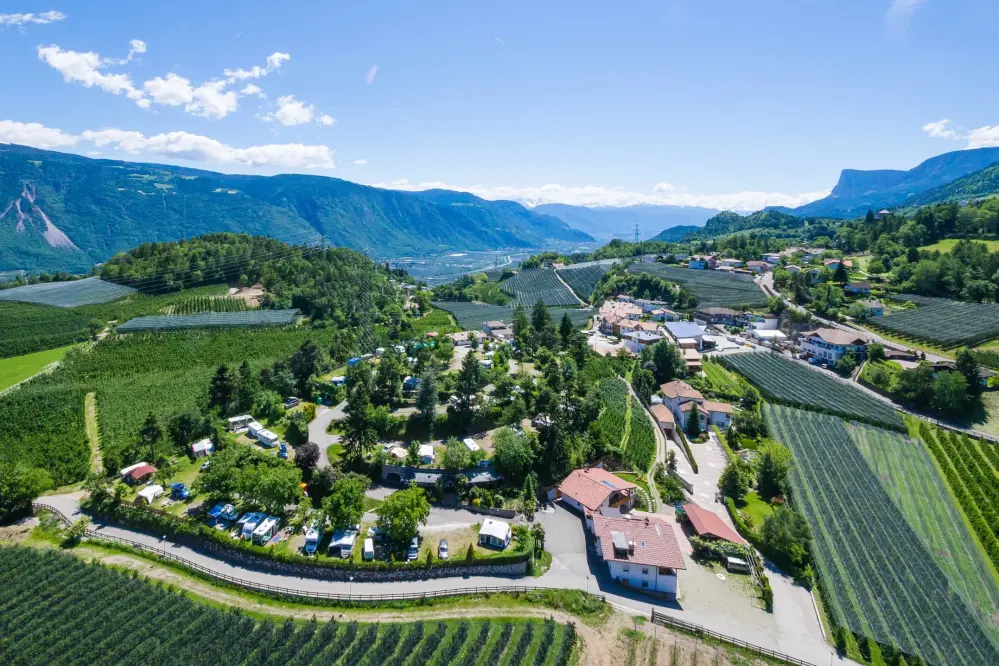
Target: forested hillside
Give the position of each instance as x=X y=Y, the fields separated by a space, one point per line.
x=66 y=212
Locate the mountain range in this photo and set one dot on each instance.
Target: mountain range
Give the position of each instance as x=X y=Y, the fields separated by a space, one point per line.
x=606 y=222
x=61 y=211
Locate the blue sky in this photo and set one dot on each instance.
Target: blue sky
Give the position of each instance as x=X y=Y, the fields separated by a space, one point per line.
x=731 y=104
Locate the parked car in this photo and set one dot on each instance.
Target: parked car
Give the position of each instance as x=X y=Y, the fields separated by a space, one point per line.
x=414 y=549
x=283 y=451
x=291 y=402
x=442 y=549
x=205 y=465
x=179 y=491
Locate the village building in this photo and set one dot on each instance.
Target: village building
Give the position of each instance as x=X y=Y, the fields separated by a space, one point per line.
x=641 y=553
x=701 y=262
x=830 y=344
x=663 y=417
x=592 y=490
x=495 y=533
x=684 y=401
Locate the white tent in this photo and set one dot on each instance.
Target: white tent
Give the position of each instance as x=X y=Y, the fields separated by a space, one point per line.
x=149 y=494
x=470 y=443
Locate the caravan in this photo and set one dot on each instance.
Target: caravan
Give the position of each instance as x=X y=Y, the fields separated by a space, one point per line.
x=342 y=542
x=249 y=523
x=267 y=439
x=313 y=536
x=266 y=530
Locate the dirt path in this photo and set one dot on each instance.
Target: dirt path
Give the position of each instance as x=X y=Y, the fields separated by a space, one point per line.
x=93 y=432
x=581 y=301
x=597 y=650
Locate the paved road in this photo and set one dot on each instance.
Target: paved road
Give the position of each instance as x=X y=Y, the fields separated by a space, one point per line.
x=317 y=429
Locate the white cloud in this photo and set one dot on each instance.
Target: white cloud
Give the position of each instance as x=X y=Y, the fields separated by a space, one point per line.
x=274 y=61
x=291 y=112
x=35 y=135
x=372 y=72
x=212 y=101
x=898 y=14
x=85 y=68
x=174 y=90
x=360 y=162
x=986 y=136
x=325 y=120
x=22 y=19
x=252 y=89
x=595 y=195
x=940 y=130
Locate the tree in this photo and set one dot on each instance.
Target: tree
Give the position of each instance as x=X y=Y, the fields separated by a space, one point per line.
x=344 y=505
x=915 y=386
x=529 y=497
x=665 y=361
x=20 y=485
x=785 y=537
x=967 y=366
x=538 y=532
x=772 y=471
x=847 y=363
x=840 y=275
x=77 y=531
x=543 y=327
x=735 y=481
x=456 y=455
x=297 y=431
x=270 y=487
x=221 y=390
x=305 y=363
x=513 y=454
x=388 y=383
x=671 y=460
x=426 y=398
x=184 y=428
x=469 y=381
x=413 y=454
x=565 y=330
x=523 y=334
x=876 y=353
x=359 y=436
x=150 y=434
x=644 y=384
x=950 y=393
x=402 y=513
x=749 y=423
x=246 y=389
x=322 y=483
x=306 y=457
x=694 y=423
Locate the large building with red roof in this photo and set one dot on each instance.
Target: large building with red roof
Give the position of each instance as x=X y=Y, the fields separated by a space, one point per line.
x=592 y=490
x=708 y=525
x=641 y=553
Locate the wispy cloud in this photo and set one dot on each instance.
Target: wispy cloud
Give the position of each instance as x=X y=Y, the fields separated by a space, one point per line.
x=898 y=14
x=596 y=195
x=24 y=19
x=370 y=77
x=500 y=41
x=360 y=162
x=986 y=136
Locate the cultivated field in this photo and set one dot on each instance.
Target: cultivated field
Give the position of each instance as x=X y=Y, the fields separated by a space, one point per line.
x=56 y=609
x=246 y=319
x=908 y=475
x=26 y=328
x=583 y=278
x=471 y=316
x=612 y=423
x=533 y=284
x=19 y=368
x=878 y=578
x=711 y=288
x=640 y=450
x=785 y=381
x=88 y=291
x=942 y=322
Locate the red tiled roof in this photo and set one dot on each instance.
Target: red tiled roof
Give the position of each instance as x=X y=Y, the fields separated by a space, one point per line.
x=707 y=523
x=655 y=542
x=592 y=485
x=680 y=389
x=723 y=407
x=661 y=414
x=141 y=471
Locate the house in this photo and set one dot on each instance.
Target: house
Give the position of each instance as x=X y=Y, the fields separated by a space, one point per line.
x=471 y=445
x=758 y=266
x=714 y=316
x=641 y=553
x=708 y=525
x=593 y=490
x=831 y=344
x=772 y=258
x=426 y=454
x=464 y=338
x=792 y=268
x=872 y=308
x=832 y=264
x=502 y=334
x=883 y=213
x=494 y=325
x=692 y=334
x=148 y=495
x=638 y=340
x=202 y=448
x=701 y=262
x=863 y=288
x=237 y=423
x=683 y=400
x=663 y=417
x=495 y=533
x=767 y=321
x=663 y=314
x=139 y=473
x=730 y=263
x=767 y=337
x=692 y=358
x=648 y=306
x=984 y=374
x=900 y=354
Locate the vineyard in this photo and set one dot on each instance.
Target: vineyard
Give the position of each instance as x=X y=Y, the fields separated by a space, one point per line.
x=943 y=322
x=908 y=475
x=785 y=381
x=470 y=316
x=877 y=577
x=27 y=328
x=583 y=278
x=89 y=291
x=538 y=284
x=235 y=319
x=57 y=609
x=613 y=420
x=196 y=304
x=711 y=288
x=641 y=448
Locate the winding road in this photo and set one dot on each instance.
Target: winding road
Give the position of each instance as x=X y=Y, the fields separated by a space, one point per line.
x=317 y=429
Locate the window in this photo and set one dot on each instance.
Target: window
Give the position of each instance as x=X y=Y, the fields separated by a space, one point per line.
x=645 y=583
x=645 y=571
x=626 y=567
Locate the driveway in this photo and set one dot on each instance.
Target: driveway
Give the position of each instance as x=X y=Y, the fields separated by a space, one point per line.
x=317 y=429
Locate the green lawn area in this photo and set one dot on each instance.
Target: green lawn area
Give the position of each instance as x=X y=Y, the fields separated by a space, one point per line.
x=19 y=368
x=756 y=508
x=637 y=479
x=370 y=503
x=990 y=400
x=948 y=244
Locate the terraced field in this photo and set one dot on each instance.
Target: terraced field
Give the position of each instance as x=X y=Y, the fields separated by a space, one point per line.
x=533 y=284
x=942 y=322
x=56 y=609
x=878 y=578
x=711 y=288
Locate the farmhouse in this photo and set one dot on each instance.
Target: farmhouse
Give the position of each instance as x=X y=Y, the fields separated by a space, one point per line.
x=832 y=343
x=663 y=417
x=495 y=533
x=594 y=490
x=640 y=553
x=714 y=316
x=708 y=525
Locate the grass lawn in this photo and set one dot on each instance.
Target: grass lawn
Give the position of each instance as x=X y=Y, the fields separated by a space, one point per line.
x=990 y=399
x=19 y=368
x=947 y=245
x=756 y=508
x=637 y=479
x=370 y=503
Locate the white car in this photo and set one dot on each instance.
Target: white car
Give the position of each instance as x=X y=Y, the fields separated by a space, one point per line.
x=442 y=550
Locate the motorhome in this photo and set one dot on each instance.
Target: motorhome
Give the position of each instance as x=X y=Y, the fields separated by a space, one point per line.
x=313 y=536
x=249 y=523
x=266 y=530
x=342 y=542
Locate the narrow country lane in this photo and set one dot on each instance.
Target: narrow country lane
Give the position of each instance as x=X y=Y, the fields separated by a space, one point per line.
x=317 y=429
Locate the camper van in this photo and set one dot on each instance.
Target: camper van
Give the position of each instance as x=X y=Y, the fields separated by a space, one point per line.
x=369 y=549
x=266 y=530
x=267 y=438
x=253 y=429
x=313 y=536
x=237 y=423
x=342 y=542
x=248 y=524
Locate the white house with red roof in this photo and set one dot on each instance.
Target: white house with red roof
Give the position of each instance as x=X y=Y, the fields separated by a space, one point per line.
x=682 y=399
x=592 y=490
x=641 y=553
